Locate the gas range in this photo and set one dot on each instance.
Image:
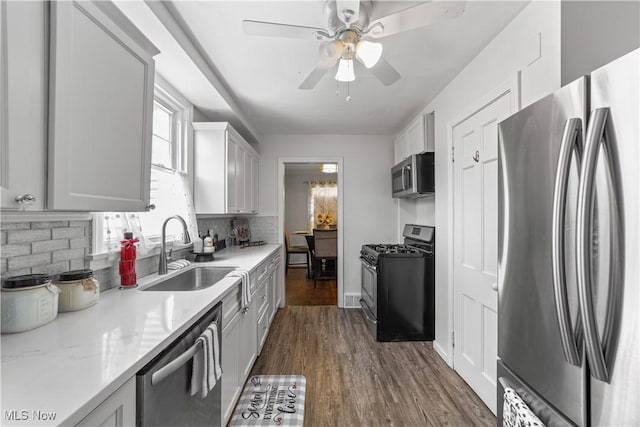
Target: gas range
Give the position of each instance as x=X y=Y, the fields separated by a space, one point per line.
x=418 y=242
x=400 y=272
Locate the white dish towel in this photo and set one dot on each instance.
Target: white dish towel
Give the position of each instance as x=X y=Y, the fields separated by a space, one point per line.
x=206 y=362
x=246 y=291
x=516 y=413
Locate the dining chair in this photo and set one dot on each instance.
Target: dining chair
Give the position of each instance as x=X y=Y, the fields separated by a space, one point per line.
x=325 y=255
x=296 y=249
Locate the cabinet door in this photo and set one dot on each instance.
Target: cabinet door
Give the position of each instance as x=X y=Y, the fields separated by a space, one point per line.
x=230 y=365
x=249 y=341
x=241 y=171
x=232 y=152
x=118 y=410
x=255 y=171
x=400 y=148
x=23 y=107
x=415 y=137
x=100 y=111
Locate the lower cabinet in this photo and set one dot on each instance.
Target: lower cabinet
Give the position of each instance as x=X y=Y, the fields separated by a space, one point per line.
x=231 y=386
x=118 y=410
x=245 y=330
x=239 y=348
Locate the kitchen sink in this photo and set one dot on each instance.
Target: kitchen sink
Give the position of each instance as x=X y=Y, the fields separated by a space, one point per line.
x=192 y=280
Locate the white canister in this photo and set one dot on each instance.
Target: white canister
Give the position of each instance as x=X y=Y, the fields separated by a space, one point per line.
x=78 y=290
x=28 y=302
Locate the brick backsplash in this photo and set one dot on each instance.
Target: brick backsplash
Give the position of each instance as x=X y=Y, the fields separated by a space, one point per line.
x=44 y=247
x=57 y=246
x=262 y=227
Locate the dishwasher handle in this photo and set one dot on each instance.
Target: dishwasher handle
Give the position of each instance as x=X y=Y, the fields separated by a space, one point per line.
x=175 y=364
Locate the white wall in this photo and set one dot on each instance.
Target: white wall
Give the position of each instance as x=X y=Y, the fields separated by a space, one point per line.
x=530 y=44
x=369 y=210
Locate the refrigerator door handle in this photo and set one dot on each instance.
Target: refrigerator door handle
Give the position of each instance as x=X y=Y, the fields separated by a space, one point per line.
x=571 y=142
x=586 y=188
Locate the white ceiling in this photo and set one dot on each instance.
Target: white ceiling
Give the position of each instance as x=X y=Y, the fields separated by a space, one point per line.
x=262 y=74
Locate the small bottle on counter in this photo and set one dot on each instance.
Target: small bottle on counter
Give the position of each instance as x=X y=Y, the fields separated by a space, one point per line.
x=128 y=277
x=208 y=244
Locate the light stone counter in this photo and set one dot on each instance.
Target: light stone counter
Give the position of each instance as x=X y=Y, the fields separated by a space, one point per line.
x=72 y=364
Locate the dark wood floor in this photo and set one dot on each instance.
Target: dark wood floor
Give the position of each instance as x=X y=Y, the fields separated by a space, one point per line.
x=300 y=290
x=352 y=380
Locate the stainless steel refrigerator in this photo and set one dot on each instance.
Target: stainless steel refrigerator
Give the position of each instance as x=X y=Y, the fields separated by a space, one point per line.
x=568 y=299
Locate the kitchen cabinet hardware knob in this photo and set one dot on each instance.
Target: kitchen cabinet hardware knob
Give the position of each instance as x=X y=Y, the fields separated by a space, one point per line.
x=150 y=207
x=26 y=199
x=477 y=157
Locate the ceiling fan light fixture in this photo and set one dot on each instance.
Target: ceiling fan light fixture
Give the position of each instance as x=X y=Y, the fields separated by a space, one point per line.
x=368 y=53
x=345 y=71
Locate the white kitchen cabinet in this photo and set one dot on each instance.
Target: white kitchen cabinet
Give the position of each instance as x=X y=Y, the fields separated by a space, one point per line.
x=273 y=280
x=231 y=387
x=249 y=340
x=255 y=186
x=118 y=410
x=400 y=148
x=100 y=109
x=418 y=138
x=251 y=182
x=23 y=106
x=223 y=170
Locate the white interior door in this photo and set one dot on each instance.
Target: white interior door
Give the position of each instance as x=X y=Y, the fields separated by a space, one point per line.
x=475 y=142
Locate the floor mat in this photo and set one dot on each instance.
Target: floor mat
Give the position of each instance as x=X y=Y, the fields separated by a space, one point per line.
x=269 y=400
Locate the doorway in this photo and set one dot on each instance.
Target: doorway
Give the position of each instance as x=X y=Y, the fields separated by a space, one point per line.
x=310 y=197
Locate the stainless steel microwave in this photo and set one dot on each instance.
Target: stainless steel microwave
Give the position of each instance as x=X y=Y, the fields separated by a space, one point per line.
x=414 y=177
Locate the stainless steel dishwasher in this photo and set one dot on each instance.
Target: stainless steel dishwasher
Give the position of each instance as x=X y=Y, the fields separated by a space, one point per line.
x=163 y=394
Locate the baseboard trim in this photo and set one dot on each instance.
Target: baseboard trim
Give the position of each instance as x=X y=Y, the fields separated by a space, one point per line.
x=442 y=353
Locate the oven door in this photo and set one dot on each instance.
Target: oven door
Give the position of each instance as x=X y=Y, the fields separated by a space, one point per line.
x=369 y=294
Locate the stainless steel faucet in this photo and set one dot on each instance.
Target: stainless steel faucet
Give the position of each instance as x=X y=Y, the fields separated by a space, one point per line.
x=162 y=265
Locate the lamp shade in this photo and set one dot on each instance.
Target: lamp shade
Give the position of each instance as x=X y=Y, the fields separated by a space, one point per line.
x=368 y=53
x=345 y=71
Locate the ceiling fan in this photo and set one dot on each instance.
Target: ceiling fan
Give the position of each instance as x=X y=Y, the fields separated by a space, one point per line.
x=349 y=32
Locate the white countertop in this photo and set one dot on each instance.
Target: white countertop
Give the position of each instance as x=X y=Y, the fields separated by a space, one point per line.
x=75 y=362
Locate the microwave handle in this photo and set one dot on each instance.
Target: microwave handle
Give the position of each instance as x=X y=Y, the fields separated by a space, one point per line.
x=404 y=187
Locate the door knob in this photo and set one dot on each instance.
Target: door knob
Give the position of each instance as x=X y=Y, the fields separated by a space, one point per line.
x=477 y=157
x=494 y=286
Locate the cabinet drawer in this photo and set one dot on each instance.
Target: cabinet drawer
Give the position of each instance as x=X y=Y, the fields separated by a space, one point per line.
x=262 y=298
x=263 y=329
x=253 y=280
x=231 y=304
x=262 y=270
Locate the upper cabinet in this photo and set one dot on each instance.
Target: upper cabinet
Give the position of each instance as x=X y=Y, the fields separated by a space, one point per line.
x=225 y=171
x=100 y=109
x=417 y=138
x=23 y=111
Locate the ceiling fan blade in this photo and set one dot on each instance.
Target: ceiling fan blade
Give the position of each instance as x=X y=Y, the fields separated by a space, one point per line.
x=273 y=29
x=416 y=17
x=385 y=72
x=314 y=76
x=330 y=53
x=348 y=11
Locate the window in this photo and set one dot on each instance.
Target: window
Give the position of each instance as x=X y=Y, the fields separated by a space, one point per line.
x=323 y=204
x=170 y=189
